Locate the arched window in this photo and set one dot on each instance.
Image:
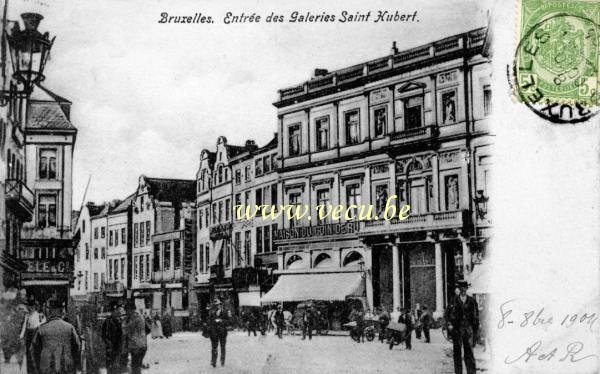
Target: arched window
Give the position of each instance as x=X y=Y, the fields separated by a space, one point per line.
x=352 y=259
x=323 y=260
x=294 y=262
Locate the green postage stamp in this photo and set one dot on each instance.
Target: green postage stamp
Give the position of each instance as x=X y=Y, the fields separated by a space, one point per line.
x=556 y=61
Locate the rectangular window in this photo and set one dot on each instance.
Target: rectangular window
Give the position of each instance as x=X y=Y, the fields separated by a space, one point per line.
x=294 y=145
x=148 y=266
x=148 y=232
x=214 y=213
x=258 y=197
x=103 y=232
x=116 y=261
x=87 y=251
x=238 y=202
x=47 y=211
x=273 y=231
x=95 y=281
x=86 y=280
x=103 y=253
x=95 y=253
x=274 y=194
x=102 y=281
x=274 y=162
x=227 y=245
x=201 y=259
x=135 y=269
x=449 y=107
x=237 y=243
x=227 y=210
x=141 y=265
x=200 y=219
x=47 y=164
x=110 y=238
x=258 y=167
x=295 y=199
x=220 y=211
x=167 y=255
x=353 y=198
x=322 y=206
x=96 y=233
x=238 y=176
x=110 y=269
x=122 y=268
x=156 y=257
x=380 y=118
x=322 y=133
x=259 y=242
x=135 y=234
x=266 y=164
x=413 y=112
x=266 y=195
x=247 y=246
x=207 y=252
x=352 y=126
x=487 y=100
x=177 y=254
x=123 y=235
x=142 y=236
x=247 y=173
x=116 y=237
x=267 y=239
x=78 y=255
x=247 y=198
x=207 y=217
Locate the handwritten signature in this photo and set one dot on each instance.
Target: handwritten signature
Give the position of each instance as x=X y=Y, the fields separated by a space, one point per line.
x=570 y=353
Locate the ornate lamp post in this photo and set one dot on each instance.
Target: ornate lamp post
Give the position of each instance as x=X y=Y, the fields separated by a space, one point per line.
x=481 y=204
x=29 y=51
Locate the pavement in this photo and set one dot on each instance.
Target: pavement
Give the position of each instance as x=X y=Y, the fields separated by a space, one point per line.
x=190 y=353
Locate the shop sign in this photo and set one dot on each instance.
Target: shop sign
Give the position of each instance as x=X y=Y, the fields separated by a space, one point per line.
x=221 y=231
x=318 y=231
x=47 y=260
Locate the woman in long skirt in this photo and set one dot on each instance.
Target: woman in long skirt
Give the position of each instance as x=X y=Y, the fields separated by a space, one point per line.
x=157 y=331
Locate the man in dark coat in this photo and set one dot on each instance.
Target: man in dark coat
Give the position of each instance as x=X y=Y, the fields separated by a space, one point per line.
x=463 y=322
x=426 y=323
x=137 y=342
x=279 y=320
x=384 y=321
x=218 y=320
x=251 y=322
x=308 y=320
x=55 y=348
x=112 y=335
x=406 y=319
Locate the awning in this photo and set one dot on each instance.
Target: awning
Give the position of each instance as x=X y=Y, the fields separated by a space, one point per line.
x=249 y=298
x=44 y=282
x=479 y=279
x=215 y=251
x=316 y=286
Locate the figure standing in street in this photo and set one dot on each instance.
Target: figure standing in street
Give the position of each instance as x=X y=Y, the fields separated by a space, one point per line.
x=167 y=324
x=308 y=320
x=112 y=335
x=463 y=323
x=406 y=319
x=279 y=321
x=157 y=331
x=384 y=321
x=30 y=325
x=251 y=322
x=417 y=318
x=426 y=323
x=55 y=347
x=137 y=344
x=218 y=321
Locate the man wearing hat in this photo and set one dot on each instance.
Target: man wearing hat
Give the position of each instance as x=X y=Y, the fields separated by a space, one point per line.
x=426 y=322
x=463 y=323
x=218 y=320
x=136 y=338
x=406 y=319
x=112 y=335
x=55 y=347
x=279 y=320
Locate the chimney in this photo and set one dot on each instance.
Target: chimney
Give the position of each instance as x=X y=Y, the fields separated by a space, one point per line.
x=321 y=72
x=250 y=144
x=394 y=49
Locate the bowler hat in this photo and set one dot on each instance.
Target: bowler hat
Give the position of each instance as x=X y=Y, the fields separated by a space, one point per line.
x=462 y=283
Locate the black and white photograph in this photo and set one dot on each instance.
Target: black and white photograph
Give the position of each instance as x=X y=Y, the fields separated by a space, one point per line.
x=299 y=187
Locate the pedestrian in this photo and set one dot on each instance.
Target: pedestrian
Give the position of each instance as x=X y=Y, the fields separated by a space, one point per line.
x=124 y=353
x=463 y=323
x=137 y=345
x=157 y=331
x=251 y=322
x=417 y=318
x=167 y=324
x=384 y=321
x=30 y=324
x=112 y=335
x=55 y=347
x=279 y=321
x=406 y=319
x=360 y=326
x=11 y=341
x=308 y=320
x=218 y=320
x=426 y=323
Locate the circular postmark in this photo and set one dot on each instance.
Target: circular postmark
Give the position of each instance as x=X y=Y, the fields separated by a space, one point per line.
x=555 y=69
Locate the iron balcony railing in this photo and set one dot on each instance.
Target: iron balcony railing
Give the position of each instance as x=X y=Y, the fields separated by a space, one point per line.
x=19 y=196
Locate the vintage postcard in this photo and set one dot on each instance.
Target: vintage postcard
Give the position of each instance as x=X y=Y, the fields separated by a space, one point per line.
x=300 y=187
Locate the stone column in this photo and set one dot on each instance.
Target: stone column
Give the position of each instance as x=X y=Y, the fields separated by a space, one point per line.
x=395 y=276
x=369 y=277
x=439 y=280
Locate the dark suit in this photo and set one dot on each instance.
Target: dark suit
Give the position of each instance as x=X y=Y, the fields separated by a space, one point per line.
x=463 y=317
x=217 y=331
x=308 y=324
x=55 y=348
x=112 y=334
x=407 y=320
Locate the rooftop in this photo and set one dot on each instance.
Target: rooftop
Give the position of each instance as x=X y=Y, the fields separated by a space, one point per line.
x=173 y=190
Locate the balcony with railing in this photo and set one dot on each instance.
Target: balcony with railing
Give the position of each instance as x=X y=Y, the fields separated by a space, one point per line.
x=416 y=222
x=20 y=198
x=168 y=276
x=418 y=134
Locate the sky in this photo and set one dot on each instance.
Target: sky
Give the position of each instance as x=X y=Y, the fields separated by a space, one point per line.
x=149 y=97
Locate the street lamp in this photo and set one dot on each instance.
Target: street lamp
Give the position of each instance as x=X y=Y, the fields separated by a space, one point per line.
x=29 y=51
x=481 y=204
x=458 y=262
x=364 y=272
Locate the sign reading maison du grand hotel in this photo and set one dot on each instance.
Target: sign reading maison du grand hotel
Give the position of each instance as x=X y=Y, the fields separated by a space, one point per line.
x=303 y=232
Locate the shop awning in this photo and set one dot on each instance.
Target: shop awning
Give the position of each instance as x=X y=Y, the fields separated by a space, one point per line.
x=316 y=286
x=44 y=282
x=215 y=251
x=479 y=279
x=249 y=298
